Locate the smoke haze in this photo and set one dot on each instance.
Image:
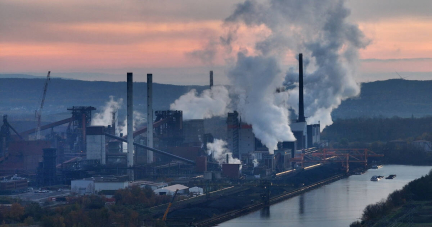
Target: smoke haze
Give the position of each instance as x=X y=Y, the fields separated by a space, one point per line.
x=320 y=30
x=220 y=151
x=104 y=118
x=255 y=80
x=262 y=36
x=210 y=103
x=138 y=119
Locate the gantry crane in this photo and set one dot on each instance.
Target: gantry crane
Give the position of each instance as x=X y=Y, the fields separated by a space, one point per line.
x=38 y=112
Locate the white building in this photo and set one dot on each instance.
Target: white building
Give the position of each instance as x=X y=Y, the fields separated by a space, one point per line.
x=94 y=185
x=82 y=187
x=170 y=190
x=149 y=184
x=423 y=144
x=196 y=190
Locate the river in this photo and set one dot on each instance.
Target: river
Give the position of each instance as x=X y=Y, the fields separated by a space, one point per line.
x=336 y=204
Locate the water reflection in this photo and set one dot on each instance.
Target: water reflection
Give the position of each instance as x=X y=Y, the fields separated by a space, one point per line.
x=301 y=204
x=333 y=205
x=265 y=212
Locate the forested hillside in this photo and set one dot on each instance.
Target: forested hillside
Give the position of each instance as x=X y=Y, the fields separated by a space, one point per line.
x=379 y=129
x=22 y=96
x=389 y=98
x=19 y=96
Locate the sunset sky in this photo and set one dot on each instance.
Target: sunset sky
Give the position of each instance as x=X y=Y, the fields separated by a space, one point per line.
x=102 y=40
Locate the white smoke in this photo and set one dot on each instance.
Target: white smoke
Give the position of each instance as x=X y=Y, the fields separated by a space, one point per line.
x=211 y=102
x=255 y=161
x=220 y=151
x=138 y=119
x=320 y=30
x=255 y=80
x=261 y=37
x=105 y=117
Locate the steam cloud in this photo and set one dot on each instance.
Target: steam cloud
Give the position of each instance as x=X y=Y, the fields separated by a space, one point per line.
x=255 y=79
x=211 y=102
x=138 y=118
x=104 y=117
x=318 y=29
x=260 y=37
x=207 y=54
x=219 y=150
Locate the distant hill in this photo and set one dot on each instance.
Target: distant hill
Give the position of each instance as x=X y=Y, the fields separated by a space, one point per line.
x=18 y=76
x=21 y=96
x=396 y=97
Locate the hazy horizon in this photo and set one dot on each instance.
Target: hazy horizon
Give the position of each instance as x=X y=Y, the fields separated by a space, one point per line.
x=104 y=41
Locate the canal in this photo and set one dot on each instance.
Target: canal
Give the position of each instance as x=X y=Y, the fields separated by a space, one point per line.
x=336 y=204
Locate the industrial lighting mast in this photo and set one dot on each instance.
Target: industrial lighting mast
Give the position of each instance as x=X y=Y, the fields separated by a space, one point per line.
x=39 y=111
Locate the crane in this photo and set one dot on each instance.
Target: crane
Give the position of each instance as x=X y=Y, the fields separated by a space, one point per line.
x=38 y=112
x=169 y=206
x=402 y=78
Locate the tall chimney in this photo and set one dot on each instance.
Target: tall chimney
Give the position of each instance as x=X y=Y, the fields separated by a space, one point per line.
x=301 y=117
x=149 y=117
x=130 y=125
x=211 y=79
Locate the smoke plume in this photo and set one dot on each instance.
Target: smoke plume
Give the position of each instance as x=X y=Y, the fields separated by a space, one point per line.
x=220 y=151
x=255 y=80
x=105 y=117
x=211 y=102
x=207 y=54
x=320 y=30
x=262 y=37
x=138 y=119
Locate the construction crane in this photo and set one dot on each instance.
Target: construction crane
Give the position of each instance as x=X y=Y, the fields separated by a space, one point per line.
x=38 y=112
x=169 y=205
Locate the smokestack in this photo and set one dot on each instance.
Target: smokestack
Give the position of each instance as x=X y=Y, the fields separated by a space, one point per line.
x=227 y=159
x=149 y=117
x=114 y=123
x=211 y=79
x=301 y=117
x=130 y=125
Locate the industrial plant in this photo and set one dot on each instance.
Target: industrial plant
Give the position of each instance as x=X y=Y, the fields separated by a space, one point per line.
x=94 y=158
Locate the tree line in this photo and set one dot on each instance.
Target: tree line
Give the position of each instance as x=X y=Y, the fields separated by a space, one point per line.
x=379 y=129
x=417 y=190
x=130 y=209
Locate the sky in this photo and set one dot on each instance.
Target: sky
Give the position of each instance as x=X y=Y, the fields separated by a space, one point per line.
x=102 y=40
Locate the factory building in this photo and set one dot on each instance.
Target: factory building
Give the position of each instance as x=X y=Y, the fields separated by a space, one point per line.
x=95 y=142
x=299 y=130
x=164 y=146
x=233 y=125
x=94 y=185
x=148 y=184
x=170 y=190
x=24 y=156
x=313 y=135
x=243 y=143
x=193 y=132
x=12 y=185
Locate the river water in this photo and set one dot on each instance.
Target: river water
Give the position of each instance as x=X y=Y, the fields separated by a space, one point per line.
x=336 y=204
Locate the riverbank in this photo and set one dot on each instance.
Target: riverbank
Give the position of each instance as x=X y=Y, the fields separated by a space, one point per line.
x=248 y=209
x=412 y=205
x=337 y=204
x=226 y=206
